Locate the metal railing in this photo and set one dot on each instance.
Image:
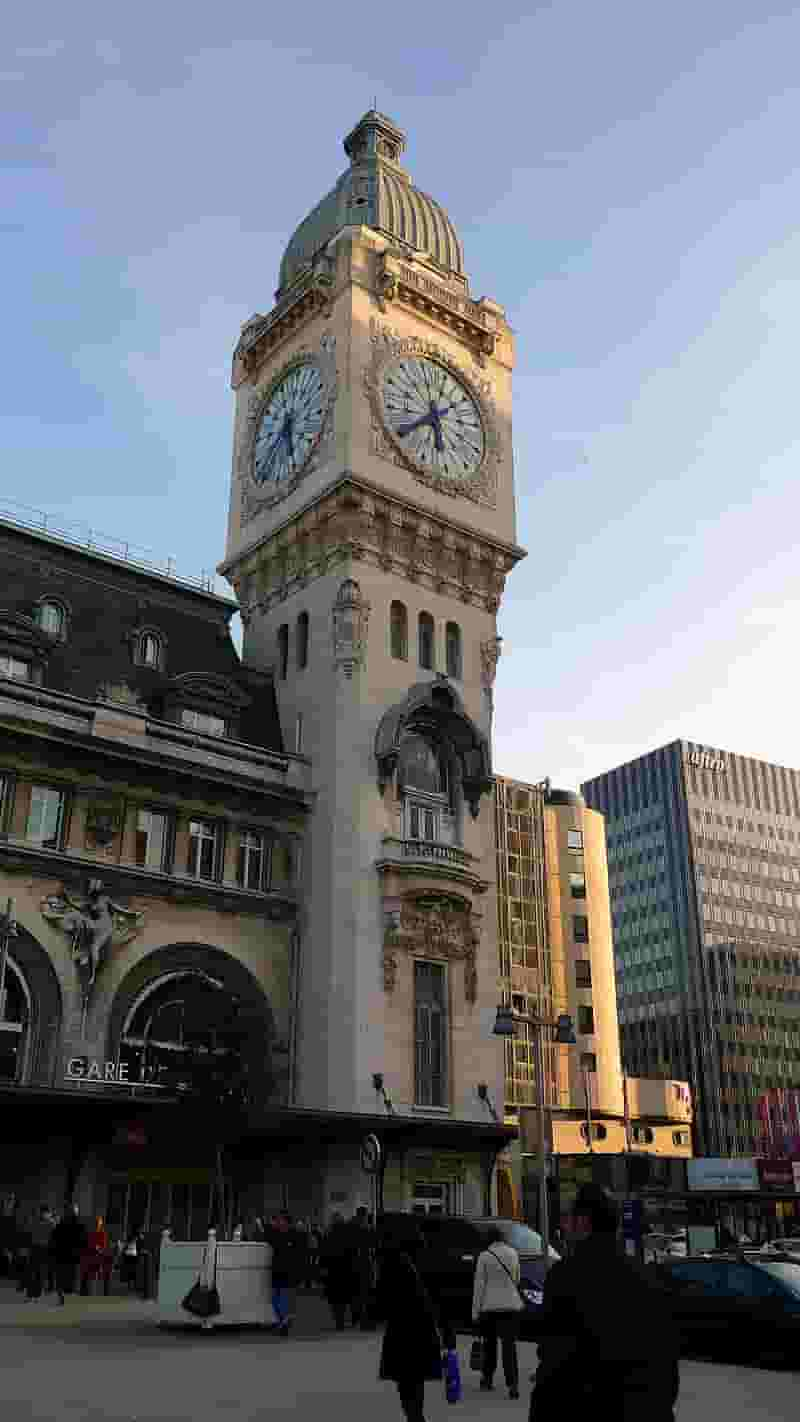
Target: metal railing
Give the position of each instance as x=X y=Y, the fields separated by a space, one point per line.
x=430 y=849
x=82 y=535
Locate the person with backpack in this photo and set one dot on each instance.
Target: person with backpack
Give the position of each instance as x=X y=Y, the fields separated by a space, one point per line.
x=496 y=1307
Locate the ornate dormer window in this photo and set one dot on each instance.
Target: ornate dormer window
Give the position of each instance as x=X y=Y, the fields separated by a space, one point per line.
x=24 y=648
x=205 y=703
x=433 y=750
x=150 y=649
x=51 y=616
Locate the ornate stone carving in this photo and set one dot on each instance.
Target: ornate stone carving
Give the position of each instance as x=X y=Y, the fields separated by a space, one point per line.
x=93 y=923
x=350 y=627
x=433 y=926
x=399 y=278
x=388 y=346
x=254 y=498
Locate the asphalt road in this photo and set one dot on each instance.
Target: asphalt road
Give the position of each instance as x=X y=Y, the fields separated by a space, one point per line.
x=106 y=1361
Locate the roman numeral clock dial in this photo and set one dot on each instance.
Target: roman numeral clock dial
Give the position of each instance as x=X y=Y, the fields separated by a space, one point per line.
x=433 y=418
x=290 y=425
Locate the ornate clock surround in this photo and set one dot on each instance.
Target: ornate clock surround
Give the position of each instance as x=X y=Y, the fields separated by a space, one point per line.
x=388 y=346
x=256 y=497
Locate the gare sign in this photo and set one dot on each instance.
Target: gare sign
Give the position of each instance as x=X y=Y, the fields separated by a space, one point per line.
x=100 y=1072
x=706 y=760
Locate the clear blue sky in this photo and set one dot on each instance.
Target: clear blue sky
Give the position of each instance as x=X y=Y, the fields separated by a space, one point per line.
x=625 y=180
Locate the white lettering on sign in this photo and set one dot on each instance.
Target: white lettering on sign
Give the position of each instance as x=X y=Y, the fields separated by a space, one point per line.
x=707 y=760
x=83 y=1069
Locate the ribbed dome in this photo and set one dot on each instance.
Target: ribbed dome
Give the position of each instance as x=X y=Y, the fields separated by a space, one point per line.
x=376 y=192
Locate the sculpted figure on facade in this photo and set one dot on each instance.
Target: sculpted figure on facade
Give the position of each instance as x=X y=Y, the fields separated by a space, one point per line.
x=93 y=923
x=436 y=926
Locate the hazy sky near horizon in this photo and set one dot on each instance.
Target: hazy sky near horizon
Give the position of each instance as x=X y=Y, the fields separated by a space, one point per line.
x=625 y=181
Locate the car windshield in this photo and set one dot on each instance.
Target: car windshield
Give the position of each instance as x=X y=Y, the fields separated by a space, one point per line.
x=786 y=1274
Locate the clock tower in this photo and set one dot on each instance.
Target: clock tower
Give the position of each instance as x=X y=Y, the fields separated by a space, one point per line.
x=370 y=531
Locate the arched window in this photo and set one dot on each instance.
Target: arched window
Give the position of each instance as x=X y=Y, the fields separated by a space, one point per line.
x=14 y=1023
x=150 y=650
x=398 y=631
x=423 y=783
x=302 y=640
x=184 y=1032
x=283 y=650
x=52 y=618
x=425 y=640
x=453 y=650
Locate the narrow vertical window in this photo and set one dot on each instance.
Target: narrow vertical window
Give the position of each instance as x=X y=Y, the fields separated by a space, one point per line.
x=202 y=856
x=52 y=618
x=250 y=860
x=426 y=641
x=453 y=650
x=151 y=839
x=45 y=817
x=283 y=651
x=398 y=624
x=150 y=650
x=298 y=733
x=430 y=1031
x=302 y=641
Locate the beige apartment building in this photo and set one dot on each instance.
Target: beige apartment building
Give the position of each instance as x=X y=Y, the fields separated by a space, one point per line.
x=556 y=956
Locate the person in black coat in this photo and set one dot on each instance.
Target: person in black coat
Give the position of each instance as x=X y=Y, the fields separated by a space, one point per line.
x=412 y=1350
x=68 y=1242
x=339 y=1275
x=608 y=1343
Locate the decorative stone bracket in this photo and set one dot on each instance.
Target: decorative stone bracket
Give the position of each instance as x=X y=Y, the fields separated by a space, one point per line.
x=398 y=279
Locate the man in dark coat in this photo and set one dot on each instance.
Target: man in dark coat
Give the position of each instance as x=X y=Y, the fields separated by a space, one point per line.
x=412 y=1349
x=336 y=1263
x=280 y=1237
x=608 y=1342
x=363 y=1244
x=67 y=1243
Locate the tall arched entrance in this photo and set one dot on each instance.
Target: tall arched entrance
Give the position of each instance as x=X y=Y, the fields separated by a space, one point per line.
x=187 y=1021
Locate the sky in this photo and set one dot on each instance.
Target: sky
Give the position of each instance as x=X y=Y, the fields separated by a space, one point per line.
x=625 y=181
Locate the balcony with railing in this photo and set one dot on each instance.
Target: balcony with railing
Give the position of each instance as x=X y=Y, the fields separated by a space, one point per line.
x=434 y=858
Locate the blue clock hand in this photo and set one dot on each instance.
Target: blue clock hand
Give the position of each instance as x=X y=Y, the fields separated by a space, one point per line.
x=269 y=458
x=413 y=425
x=437 y=428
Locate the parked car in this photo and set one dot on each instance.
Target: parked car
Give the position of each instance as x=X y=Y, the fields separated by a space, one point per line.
x=782 y=1245
x=743 y=1303
x=447 y=1261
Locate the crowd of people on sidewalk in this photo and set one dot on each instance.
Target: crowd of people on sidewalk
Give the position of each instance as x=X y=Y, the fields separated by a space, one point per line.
x=45 y=1253
x=606 y=1335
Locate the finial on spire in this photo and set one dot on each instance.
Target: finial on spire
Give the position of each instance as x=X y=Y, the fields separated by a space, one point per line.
x=375 y=136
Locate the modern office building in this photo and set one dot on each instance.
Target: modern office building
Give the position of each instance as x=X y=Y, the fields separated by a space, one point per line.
x=556 y=956
x=704 y=871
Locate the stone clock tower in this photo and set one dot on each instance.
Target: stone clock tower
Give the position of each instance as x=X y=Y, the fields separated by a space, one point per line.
x=371 y=529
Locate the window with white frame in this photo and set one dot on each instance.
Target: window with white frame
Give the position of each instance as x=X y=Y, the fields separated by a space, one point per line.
x=45 y=816
x=150 y=650
x=430 y=1034
x=151 y=838
x=203 y=721
x=423 y=782
x=14 y=668
x=201 y=861
x=52 y=619
x=252 y=861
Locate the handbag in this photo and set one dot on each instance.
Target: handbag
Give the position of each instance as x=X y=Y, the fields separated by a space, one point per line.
x=476 y=1355
x=202 y=1299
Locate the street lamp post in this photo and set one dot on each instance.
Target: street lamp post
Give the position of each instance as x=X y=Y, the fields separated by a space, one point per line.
x=506 y=1022
x=8 y=929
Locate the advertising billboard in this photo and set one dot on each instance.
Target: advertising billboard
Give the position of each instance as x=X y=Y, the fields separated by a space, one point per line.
x=716 y=1173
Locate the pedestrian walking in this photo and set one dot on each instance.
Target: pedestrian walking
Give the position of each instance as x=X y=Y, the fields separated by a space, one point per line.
x=97 y=1259
x=68 y=1242
x=607 y=1341
x=280 y=1237
x=496 y=1307
x=336 y=1263
x=364 y=1246
x=411 y=1354
x=41 y=1234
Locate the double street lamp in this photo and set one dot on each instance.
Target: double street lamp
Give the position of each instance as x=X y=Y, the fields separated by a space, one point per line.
x=506 y=1023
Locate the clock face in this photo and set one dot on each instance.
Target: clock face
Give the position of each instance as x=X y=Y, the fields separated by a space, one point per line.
x=433 y=418
x=290 y=425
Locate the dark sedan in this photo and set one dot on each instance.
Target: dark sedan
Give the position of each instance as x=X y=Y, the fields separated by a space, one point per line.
x=745 y=1305
x=451 y=1248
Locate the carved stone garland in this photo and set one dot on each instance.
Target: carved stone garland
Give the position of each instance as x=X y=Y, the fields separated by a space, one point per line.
x=254 y=497
x=389 y=346
x=433 y=926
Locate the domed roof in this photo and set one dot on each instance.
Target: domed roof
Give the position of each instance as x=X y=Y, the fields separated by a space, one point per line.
x=376 y=192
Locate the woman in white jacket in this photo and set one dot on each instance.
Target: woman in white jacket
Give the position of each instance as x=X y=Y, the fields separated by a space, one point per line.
x=496 y=1306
